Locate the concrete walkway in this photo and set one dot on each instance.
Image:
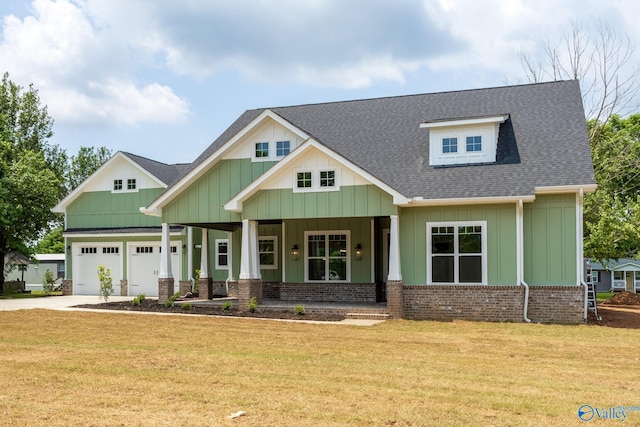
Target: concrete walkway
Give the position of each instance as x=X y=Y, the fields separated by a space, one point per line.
x=67 y=303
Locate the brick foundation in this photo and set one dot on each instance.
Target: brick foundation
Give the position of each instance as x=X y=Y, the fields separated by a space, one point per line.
x=165 y=289
x=205 y=288
x=271 y=290
x=547 y=304
x=556 y=304
x=248 y=288
x=395 y=299
x=328 y=292
x=185 y=286
x=67 y=287
x=232 y=289
x=124 y=287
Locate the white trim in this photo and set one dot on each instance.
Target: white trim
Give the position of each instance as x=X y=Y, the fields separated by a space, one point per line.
x=588 y=188
x=204 y=166
x=235 y=204
x=61 y=207
x=325 y=258
x=110 y=235
x=216 y=251
x=275 y=253
x=420 y=202
x=469 y=121
x=315 y=179
x=456 y=254
x=284 y=252
x=75 y=263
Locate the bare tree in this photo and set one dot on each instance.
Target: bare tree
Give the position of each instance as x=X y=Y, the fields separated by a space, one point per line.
x=600 y=59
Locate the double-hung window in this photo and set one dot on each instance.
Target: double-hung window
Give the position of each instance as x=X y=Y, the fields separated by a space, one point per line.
x=222 y=254
x=327 y=257
x=457 y=253
x=267 y=252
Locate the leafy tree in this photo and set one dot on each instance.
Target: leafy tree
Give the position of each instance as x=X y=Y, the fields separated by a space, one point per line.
x=51 y=243
x=612 y=213
x=30 y=168
x=83 y=164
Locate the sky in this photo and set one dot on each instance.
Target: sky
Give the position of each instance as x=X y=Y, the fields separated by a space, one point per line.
x=164 y=78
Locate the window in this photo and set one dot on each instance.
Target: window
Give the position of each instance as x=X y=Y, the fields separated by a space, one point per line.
x=111 y=250
x=262 y=149
x=474 y=143
x=327 y=256
x=222 y=254
x=327 y=178
x=282 y=148
x=88 y=250
x=172 y=250
x=144 y=249
x=267 y=250
x=595 y=276
x=449 y=145
x=61 y=270
x=131 y=184
x=117 y=184
x=303 y=180
x=456 y=253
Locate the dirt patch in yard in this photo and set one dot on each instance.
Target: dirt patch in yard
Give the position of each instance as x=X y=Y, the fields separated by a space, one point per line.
x=623 y=298
x=617 y=316
x=152 y=306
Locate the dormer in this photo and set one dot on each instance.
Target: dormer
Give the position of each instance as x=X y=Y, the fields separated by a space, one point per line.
x=465 y=141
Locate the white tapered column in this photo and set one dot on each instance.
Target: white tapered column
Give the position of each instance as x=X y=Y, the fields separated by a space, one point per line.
x=394 y=250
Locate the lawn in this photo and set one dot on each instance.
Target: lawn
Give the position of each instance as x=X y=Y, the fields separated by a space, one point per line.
x=80 y=368
x=32 y=294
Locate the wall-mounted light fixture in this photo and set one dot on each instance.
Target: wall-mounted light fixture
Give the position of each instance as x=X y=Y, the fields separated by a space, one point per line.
x=197 y=246
x=358 y=251
x=295 y=252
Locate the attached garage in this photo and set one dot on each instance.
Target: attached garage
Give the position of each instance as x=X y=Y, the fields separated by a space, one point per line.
x=86 y=259
x=144 y=266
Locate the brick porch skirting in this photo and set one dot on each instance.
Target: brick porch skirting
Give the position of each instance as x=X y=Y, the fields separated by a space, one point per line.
x=547 y=304
x=328 y=292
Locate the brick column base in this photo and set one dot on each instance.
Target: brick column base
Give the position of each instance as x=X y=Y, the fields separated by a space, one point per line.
x=205 y=288
x=184 y=286
x=248 y=288
x=395 y=298
x=67 y=287
x=165 y=289
x=124 y=288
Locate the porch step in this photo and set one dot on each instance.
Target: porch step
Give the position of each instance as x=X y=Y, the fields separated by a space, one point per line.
x=368 y=316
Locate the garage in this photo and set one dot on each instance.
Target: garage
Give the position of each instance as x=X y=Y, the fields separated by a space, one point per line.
x=144 y=266
x=86 y=259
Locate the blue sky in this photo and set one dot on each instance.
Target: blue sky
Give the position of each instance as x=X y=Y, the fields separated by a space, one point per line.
x=163 y=78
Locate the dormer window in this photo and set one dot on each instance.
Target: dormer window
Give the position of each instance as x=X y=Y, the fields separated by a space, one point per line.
x=262 y=149
x=478 y=140
x=117 y=185
x=265 y=151
x=282 y=148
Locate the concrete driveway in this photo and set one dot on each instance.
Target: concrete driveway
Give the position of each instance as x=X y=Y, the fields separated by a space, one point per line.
x=54 y=303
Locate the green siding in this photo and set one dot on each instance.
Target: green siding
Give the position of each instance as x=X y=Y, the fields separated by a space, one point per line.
x=104 y=209
x=360 y=229
x=550 y=240
x=349 y=201
x=203 y=200
x=501 y=240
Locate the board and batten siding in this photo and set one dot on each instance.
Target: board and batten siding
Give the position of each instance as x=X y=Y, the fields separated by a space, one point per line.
x=501 y=239
x=203 y=200
x=104 y=209
x=349 y=201
x=550 y=240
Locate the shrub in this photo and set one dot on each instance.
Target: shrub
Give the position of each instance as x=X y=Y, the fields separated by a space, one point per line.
x=299 y=309
x=135 y=302
x=186 y=306
x=253 y=304
x=227 y=305
x=171 y=300
x=196 y=282
x=142 y=297
x=48 y=282
x=106 y=283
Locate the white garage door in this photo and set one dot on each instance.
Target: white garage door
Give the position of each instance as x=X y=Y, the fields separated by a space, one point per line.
x=144 y=267
x=86 y=259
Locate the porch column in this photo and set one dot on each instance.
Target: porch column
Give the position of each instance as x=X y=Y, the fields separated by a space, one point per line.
x=249 y=282
x=395 y=287
x=205 y=283
x=165 y=277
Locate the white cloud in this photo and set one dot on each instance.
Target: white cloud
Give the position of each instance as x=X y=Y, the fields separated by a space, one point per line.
x=81 y=70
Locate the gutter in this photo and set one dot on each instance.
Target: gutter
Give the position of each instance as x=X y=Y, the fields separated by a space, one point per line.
x=520 y=256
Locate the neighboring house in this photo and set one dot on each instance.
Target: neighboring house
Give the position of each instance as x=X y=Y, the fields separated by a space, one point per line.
x=462 y=204
x=34 y=272
x=616 y=275
x=103 y=226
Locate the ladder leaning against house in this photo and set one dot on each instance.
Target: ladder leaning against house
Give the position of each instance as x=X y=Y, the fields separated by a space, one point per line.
x=591 y=291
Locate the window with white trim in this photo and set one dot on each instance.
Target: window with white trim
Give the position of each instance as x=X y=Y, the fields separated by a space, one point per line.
x=449 y=145
x=328 y=178
x=131 y=184
x=222 y=254
x=283 y=148
x=474 y=143
x=457 y=252
x=303 y=180
x=327 y=256
x=262 y=150
x=595 y=276
x=117 y=185
x=267 y=252
x=316 y=180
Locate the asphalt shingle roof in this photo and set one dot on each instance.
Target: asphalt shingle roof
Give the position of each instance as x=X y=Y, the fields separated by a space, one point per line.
x=543 y=143
x=164 y=172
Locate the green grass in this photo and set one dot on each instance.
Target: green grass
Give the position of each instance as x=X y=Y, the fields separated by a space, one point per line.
x=32 y=294
x=84 y=368
x=603 y=296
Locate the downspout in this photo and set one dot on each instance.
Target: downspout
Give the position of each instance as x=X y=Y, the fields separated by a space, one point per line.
x=229 y=261
x=580 y=251
x=520 y=257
